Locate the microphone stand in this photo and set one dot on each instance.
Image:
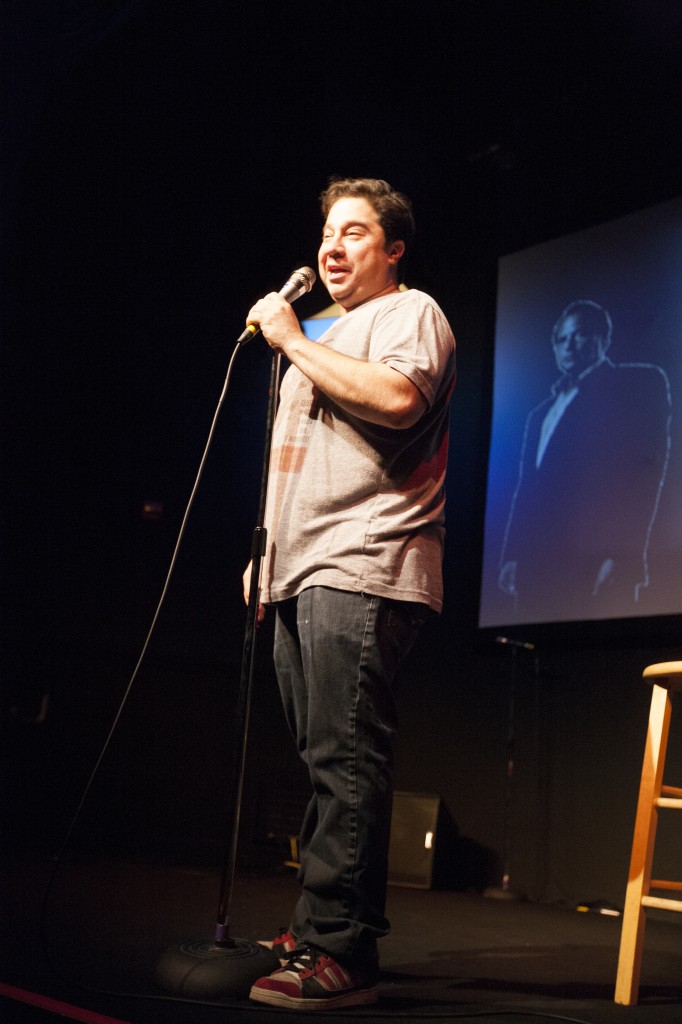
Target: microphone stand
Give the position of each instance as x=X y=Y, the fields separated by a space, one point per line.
x=505 y=892
x=227 y=967
x=258 y=549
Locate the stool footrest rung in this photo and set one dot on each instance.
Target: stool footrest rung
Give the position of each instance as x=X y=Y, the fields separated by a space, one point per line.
x=671 y=791
x=659 y=883
x=668 y=801
x=659 y=903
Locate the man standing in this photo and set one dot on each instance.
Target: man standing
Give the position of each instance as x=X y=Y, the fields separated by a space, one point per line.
x=355 y=525
x=591 y=471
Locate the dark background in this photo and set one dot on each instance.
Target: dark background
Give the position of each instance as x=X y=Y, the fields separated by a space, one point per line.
x=162 y=163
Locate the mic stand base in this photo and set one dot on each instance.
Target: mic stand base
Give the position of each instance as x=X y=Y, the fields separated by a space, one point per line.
x=495 y=892
x=201 y=970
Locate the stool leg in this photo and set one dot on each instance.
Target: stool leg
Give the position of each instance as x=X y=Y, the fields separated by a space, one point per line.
x=639 y=877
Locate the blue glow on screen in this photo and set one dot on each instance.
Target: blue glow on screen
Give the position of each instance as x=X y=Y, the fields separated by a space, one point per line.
x=315 y=327
x=614 y=497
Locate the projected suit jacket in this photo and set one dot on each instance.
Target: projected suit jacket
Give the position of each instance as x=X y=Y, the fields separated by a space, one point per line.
x=580 y=522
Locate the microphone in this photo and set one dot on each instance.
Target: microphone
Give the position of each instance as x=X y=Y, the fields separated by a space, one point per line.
x=300 y=282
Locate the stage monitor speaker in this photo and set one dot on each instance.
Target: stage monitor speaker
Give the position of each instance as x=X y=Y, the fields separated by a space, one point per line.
x=413 y=839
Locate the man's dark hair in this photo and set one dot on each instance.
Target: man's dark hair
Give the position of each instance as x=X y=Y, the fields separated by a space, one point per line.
x=393 y=209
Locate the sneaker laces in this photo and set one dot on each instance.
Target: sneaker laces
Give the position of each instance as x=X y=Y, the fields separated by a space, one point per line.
x=303 y=958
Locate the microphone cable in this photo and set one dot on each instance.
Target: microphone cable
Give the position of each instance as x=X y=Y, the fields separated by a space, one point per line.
x=299 y=282
x=59 y=857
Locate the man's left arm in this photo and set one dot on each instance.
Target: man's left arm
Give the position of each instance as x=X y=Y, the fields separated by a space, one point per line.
x=637 y=472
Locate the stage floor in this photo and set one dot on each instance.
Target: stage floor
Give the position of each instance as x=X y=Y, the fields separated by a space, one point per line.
x=96 y=942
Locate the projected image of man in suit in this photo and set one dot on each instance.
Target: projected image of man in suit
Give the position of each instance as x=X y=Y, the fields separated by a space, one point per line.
x=592 y=467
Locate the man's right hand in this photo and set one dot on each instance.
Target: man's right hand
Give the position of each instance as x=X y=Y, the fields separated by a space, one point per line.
x=507 y=579
x=246 y=582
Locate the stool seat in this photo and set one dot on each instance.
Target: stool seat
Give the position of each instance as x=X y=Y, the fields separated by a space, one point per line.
x=665 y=678
x=670 y=671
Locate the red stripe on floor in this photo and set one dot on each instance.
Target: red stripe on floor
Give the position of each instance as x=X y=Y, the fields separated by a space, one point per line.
x=55 y=1006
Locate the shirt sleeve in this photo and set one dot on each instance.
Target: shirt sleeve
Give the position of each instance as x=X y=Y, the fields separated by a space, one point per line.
x=414 y=338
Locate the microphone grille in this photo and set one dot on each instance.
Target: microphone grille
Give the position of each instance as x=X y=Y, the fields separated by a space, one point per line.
x=306 y=276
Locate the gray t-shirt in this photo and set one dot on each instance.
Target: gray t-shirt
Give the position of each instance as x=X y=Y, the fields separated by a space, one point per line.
x=352 y=505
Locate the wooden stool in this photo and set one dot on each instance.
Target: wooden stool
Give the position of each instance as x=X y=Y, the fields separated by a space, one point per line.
x=666 y=678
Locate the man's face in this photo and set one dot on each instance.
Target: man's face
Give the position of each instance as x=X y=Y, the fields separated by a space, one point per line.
x=575 y=348
x=353 y=260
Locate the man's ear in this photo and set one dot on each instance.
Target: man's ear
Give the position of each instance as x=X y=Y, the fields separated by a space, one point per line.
x=395 y=251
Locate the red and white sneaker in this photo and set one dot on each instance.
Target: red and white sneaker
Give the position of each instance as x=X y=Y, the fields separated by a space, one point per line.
x=283 y=946
x=311 y=980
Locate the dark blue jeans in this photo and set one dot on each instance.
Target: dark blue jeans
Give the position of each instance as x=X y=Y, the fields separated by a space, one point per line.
x=337 y=655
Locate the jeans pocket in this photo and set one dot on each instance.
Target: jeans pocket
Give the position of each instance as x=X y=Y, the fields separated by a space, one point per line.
x=404 y=619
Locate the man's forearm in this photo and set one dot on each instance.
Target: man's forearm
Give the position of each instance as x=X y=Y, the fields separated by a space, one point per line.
x=372 y=391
